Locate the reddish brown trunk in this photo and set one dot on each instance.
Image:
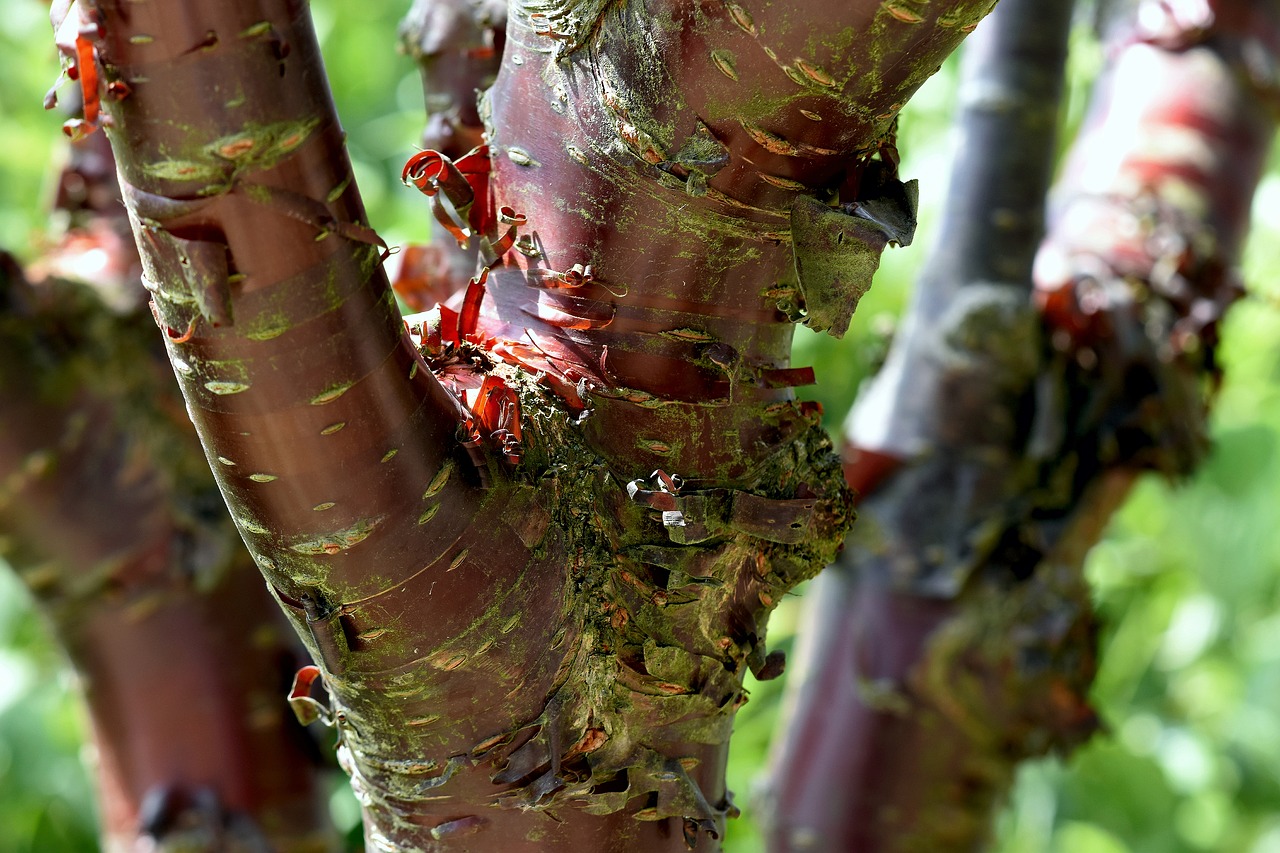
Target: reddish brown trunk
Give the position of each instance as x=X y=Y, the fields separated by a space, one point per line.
x=527 y=637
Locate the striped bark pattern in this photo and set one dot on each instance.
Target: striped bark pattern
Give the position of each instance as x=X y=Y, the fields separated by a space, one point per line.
x=532 y=538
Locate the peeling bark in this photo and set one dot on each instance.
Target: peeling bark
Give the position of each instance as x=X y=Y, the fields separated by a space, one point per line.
x=458 y=46
x=532 y=636
x=954 y=637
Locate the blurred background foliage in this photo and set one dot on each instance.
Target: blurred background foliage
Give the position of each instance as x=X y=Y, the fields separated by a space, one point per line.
x=1188 y=577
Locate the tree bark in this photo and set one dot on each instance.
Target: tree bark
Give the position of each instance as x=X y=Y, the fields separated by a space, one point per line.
x=954 y=637
x=110 y=516
x=529 y=641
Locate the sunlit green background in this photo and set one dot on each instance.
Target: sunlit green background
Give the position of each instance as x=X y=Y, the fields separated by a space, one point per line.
x=1187 y=577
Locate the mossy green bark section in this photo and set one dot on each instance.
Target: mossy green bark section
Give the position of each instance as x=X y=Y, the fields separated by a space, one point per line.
x=636 y=636
x=953 y=692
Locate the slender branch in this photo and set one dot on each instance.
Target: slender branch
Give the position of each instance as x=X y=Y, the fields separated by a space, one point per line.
x=895 y=737
x=967 y=570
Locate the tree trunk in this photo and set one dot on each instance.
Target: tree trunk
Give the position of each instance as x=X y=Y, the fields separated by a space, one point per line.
x=529 y=640
x=110 y=516
x=954 y=637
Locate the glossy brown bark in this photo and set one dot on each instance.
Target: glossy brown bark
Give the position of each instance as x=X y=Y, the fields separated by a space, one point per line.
x=530 y=641
x=694 y=129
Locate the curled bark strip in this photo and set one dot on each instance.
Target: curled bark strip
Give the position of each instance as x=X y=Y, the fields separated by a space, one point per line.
x=307 y=709
x=470 y=313
x=76 y=33
x=498 y=408
x=87 y=70
x=492 y=252
x=577 y=276
x=664 y=498
x=458 y=191
x=176 y=337
x=434 y=174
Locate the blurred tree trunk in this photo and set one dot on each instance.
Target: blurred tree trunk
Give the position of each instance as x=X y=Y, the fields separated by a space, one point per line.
x=110 y=516
x=954 y=637
x=531 y=543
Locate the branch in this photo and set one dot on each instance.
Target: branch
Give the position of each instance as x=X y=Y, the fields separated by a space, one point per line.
x=889 y=744
x=986 y=491
x=265 y=278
